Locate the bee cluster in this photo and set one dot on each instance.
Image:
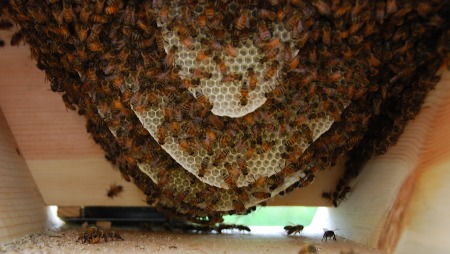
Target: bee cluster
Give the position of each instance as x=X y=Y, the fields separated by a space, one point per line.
x=213 y=107
x=94 y=235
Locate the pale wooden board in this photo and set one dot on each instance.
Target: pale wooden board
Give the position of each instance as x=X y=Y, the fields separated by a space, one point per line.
x=22 y=210
x=69 y=211
x=68 y=167
x=274 y=240
x=374 y=213
x=426 y=223
x=83 y=182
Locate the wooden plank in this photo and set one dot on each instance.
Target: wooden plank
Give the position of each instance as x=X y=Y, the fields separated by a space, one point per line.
x=22 y=210
x=83 y=182
x=424 y=222
x=376 y=210
x=69 y=211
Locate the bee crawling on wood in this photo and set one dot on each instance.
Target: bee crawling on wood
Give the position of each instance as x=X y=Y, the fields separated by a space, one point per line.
x=94 y=235
x=293 y=229
x=114 y=190
x=328 y=234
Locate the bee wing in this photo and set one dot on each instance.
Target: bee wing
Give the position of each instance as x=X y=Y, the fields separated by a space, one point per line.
x=291 y=230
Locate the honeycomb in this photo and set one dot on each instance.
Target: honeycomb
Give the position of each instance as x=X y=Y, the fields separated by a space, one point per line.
x=213 y=107
x=225 y=96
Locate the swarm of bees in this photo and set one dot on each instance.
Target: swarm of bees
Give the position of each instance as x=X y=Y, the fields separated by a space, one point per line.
x=319 y=79
x=94 y=235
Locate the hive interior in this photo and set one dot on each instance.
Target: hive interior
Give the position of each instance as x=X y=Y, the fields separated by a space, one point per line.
x=213 y=107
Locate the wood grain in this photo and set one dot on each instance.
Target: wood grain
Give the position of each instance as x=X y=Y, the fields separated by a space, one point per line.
x=424 y=226
x=376 y=208
x=22 y=210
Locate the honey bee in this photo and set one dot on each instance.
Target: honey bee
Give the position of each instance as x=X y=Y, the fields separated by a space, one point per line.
x=199 y=74
x=99 y=5
x=326 y=31
x=291 y=65
x=391 y=6
x=211 y=135
x=238 y=206
x=185 y=146
x=271 y=70
x=125 y=176
x=93 y=235
x=249 y=152
x=261 y=195
x=293 y=229
x=423 y=8
x=244 y=94
x=272 y=44
x=68 y=13
x=161 y=135
x=241 y=21
x=164 y=13
x=265 y=146
x=322 y=7
x=231 y=51
x=175 y=129
x=329 y=233
x=293 y=140
x=343 y=9
x=82 y=31
x=68 y=102
x=229 y=180
x=97 y=18
x=112 y=7
x=203 y=100
x=211 y=43
x=180 y=197
x=95 y=45
x=263 y=30
x=187 y=41
x=203 y=54
x=170 y=57
x=267 y=14
x=355 y=40
x=269 y=55
x=220 y=157
x=259 y=182
x=225 y=140
x=207 y=145
x=159 y=40
x=215 y=121
x=289 y=169
x=242 y=164
x=114 y=190
x=220 y=64
x=201 y=21
x=232 y=77
x=252 y=80
x=292 y=22
x=167 y=113
x=301 y=41
x=234 y=172
x=203 y=167
x=190 y=83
